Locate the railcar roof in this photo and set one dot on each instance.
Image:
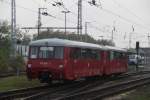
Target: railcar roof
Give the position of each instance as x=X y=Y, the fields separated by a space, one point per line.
x=64 y=42
x=70 y=43
x=115 y=49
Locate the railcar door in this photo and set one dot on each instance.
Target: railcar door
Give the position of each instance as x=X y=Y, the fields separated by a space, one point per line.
x=80 y=64
x=95 y=62
x=114 y=62
x=122 y=62
x=106 y=62
x=110 y=66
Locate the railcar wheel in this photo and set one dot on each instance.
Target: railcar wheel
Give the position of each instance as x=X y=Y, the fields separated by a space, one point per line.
x=45 y=77
x=92 y=78
x=67 y=81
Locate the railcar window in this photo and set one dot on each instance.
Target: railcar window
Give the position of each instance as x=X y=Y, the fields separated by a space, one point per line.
x=59 y=52
x=122 y=55
x=94 y=54
x=76 y=53
x=111 y=55
x=34 y=52
x=85 y=54
x=46 y=52
x=116 y=55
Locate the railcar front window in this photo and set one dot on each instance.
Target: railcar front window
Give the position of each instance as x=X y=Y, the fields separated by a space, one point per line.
x=51 y=52
x=34 y=52
x=46 y=52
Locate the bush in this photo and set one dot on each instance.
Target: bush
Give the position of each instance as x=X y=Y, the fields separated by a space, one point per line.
x=17 y=63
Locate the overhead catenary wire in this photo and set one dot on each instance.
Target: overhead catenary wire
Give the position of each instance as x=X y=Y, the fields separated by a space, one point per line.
x=38 y=4
x=129 y=11
x=121 y=17
x=59 y=18
x=34 y=11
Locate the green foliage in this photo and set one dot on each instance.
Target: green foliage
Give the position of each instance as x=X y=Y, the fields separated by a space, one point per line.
x=141 y=93
x=4 y=49
x=26 y=39
x=7 y=63
x=4 y=27
x=17 y=63
x=106 y=42
x=17 y=82
x=71 y=36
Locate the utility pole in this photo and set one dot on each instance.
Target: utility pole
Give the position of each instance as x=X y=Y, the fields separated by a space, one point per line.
x=86 y=29
x=113 y=30
x=39 y=19
x=137 y=52
x=130 y=37
x=65 y=12
x=102 y=39
x=13 y=28
x=112 y=35
x=148 y=40
x=79 y=26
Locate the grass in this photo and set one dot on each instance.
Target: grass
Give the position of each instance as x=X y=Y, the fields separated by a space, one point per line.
x=141 y=93
x=17 y=82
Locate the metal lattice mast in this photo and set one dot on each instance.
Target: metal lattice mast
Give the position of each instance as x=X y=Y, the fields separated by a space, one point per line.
x=39 y=19
x=13 y=27
x=79 y=26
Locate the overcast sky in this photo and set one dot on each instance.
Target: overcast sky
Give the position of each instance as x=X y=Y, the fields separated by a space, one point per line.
x=123 y=14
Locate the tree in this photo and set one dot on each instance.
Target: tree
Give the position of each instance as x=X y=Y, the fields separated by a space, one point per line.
x=4 y=46
x=25 y=39
x=71 y=36
x=105 y=42
x=6 y=62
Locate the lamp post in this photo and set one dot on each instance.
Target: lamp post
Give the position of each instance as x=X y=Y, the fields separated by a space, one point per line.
x=65 y=12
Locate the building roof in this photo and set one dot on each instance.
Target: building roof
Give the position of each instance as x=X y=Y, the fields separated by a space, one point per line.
x=70 y=43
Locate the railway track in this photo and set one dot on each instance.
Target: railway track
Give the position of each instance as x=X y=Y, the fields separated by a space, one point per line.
x=27 y=92
x=100 y=92
x=58 y=95
x=21 y=92
x=64 y=91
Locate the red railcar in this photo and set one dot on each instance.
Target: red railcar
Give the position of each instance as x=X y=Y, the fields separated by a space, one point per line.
x=59 y=59
x=116 y=61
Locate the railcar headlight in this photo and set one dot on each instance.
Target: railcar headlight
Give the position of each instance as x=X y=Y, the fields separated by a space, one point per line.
x=61 y=66
x=29 y=65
